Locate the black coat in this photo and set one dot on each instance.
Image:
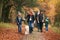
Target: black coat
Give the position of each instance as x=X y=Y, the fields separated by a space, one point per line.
x=28 y=18
x=40 y=17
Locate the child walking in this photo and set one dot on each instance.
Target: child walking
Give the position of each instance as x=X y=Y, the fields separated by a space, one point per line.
x=46 y=23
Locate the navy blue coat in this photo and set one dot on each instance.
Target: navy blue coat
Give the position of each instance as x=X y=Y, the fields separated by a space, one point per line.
x=19 y=22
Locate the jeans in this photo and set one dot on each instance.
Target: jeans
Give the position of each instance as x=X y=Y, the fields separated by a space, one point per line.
x=30 y=27
x=19 y=28
x=46 y=27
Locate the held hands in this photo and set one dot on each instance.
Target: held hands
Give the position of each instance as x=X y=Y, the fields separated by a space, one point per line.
x=42 y=20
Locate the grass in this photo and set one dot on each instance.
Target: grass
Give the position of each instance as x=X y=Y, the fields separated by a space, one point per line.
x=56 y=29
x=7 y=25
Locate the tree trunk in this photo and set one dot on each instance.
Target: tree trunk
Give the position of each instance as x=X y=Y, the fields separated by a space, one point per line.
x=5 y=11
x=12 y=14
x=1 y=10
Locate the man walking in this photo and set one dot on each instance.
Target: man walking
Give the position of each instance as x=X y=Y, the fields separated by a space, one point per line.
x=40 y=18
x=19 y=21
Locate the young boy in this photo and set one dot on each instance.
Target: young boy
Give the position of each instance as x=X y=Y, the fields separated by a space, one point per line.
x=46 y=23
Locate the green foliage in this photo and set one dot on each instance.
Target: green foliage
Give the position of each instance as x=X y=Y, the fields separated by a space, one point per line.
x=7 y=25
x=21 y=3
x=31 y=3
x=56 y=29
x=25 y=2
x=5 y=10
x=57 y=20
x=18 y=4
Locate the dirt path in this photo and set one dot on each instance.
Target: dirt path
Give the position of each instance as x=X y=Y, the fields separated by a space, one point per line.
x=34 y=36
x=12 y=34
x=45 y=35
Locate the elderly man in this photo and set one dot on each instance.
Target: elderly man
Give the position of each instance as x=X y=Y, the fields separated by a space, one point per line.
x=19 y=21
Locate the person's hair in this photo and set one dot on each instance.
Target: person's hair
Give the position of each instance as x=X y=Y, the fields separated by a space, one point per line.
x=42 y=10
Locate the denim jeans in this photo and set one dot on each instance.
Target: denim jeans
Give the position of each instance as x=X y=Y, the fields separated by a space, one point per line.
x=19 y=28
x=46 y=27
x=30 y=27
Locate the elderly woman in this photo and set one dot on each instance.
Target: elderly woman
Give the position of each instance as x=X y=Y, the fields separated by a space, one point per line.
x=30 y=20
